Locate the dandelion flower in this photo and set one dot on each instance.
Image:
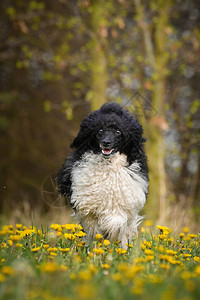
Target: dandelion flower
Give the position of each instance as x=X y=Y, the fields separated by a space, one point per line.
x=49 y=267
x=106 y=266
x=98 y=236
x=69 y=236
x=196 y=259
x=80 y=234
x=120 y=251
x=98 y=251
x=64 y=250
x=52 y=249
x=36 y=249
x=106 y=242
x=7 y=270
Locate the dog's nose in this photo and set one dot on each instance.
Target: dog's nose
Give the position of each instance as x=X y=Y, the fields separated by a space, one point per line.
x=106 y=143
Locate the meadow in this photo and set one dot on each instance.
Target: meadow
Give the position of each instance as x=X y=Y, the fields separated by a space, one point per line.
x=54 y=263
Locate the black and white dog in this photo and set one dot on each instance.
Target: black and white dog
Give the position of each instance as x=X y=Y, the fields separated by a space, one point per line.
x=106 y=175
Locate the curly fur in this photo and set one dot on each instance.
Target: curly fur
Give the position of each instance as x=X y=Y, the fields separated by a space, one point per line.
x=106 y=175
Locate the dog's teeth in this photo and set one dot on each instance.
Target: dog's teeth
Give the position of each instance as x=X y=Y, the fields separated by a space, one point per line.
x=107 y=152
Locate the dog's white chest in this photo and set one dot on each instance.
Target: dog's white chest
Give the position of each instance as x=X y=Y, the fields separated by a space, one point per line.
x=107 y=186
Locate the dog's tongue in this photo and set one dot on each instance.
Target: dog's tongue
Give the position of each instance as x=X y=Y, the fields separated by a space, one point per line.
x=107 y=151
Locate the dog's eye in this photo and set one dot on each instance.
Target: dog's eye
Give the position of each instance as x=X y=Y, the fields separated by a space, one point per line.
x=100 y=131
x=118 y=132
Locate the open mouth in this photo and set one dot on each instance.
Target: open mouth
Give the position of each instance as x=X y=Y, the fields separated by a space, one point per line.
x=107 y=152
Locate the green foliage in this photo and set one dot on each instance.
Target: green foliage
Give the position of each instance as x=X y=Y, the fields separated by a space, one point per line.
x=153 y=266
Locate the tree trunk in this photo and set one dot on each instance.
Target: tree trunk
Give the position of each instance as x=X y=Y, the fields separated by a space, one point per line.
x=97 y=94
x=157 y=56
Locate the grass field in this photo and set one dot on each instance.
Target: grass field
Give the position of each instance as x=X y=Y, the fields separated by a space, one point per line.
x=54 y=263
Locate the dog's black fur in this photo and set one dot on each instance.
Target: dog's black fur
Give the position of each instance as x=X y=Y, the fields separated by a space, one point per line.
x=105 y=131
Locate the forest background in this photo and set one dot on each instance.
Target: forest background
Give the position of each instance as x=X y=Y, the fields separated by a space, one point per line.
x=59 y=60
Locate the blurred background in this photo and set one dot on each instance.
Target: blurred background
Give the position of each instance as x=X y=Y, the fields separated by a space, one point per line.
x=61 y=59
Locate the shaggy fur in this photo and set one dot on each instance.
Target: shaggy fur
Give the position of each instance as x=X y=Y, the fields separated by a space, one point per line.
x=106 y=176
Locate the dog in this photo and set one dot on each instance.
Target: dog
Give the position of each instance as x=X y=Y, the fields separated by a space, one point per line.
x=106 y=175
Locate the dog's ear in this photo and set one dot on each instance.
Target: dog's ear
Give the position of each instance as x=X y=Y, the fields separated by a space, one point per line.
x=133 y=141
x=87 y=129
x=82 y=136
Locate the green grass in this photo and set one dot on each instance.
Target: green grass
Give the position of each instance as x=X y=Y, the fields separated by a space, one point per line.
x=56 y=264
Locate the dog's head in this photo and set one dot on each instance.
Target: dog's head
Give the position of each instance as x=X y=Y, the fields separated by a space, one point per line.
x=109 y=130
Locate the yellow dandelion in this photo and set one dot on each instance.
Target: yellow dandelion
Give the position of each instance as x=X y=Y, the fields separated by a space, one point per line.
x=196 y=259
x=4 y=245
x=106 y=266
x=142 y=246
x=161 y=249
x=98 y=236
x=192 y=236
x=165 y=266
x=187 y=238
x=120 y=251
x=55 y=226
x=186 y=255
x=148 y=244
x=142 y=230
x=181 y=235
x=52 y=249
x=117 y=277
x=19 y=246
x=19 y=226
x=10 y=242
x=52 y=254
x=163 y=228
x=185 y=229
x=64 y=250
x=7 y=270
x=85 y=275
x=45 y=246
x=28 y=232
x=80 y=234
x=63 y=268
x=69 y=236
x=197 y=270
x=171 y=252
x=106 y=242
x=148 y=223
x=49 y=267
x=187 y=275
x=92 y=268
x=132 y=271
x=36 y=249
x=148 y=252
x=39 y=232
x=140 y=260
x=98 y=251
x=149 y=258
x=170 y=240
x=81 y=244
x=129 y=245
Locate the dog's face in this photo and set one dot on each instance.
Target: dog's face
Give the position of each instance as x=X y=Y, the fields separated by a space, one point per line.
x=109 y=140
